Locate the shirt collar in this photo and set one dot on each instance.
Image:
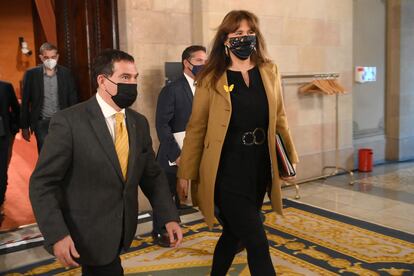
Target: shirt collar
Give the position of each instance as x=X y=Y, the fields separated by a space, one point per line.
x=189 y=79
x=107 y=110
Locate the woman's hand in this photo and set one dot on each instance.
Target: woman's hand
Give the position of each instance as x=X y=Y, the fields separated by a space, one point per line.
x=182 y=189
x=290 y=178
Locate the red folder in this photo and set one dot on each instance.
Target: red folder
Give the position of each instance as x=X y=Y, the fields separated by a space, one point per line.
x=286 y=168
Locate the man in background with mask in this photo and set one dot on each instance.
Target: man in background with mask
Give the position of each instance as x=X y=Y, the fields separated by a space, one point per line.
x=173 y=111
x=47 y=89
x=84 y=190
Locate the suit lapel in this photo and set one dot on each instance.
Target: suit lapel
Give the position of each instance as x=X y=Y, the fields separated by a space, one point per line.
x=187 y=89
x=102 y=133
x=133 y=143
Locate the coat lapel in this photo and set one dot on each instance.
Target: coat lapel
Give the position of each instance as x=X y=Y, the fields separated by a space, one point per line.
x=269 y=84
x=133 y=143
x=60 y=85
x=102 y=133
x=40 y=82
x=220 y=87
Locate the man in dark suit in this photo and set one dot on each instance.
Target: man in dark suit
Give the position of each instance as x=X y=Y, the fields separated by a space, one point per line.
x=173 y=111
x=47 y=88
x=84 y=190
x=9 y=126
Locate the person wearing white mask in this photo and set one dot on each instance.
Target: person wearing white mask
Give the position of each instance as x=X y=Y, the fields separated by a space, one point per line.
x=47 y=89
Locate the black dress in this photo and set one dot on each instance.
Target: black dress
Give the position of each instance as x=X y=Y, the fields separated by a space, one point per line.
x=245 y=170
x=244 y=174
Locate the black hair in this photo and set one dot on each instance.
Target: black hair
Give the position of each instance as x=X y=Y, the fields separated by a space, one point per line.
x=189 y=51
x=104 y=62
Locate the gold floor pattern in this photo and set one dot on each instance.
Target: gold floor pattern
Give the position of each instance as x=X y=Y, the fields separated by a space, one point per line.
x=302 y=243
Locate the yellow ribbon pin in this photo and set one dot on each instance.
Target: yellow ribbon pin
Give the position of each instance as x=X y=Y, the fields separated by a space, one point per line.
x=228 y=88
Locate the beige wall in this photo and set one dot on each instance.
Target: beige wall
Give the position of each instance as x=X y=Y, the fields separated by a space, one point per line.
x=369 y=98
x=154 y=32
x=303 y=36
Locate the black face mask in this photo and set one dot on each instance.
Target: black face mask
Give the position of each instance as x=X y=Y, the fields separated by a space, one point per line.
x=126 y=94
x=196 y=68
x=242 y=46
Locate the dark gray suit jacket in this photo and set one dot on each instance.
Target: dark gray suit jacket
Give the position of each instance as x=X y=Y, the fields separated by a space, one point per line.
x=33 y=93
x=173 y=112
x=9 y=109
x=77 y=187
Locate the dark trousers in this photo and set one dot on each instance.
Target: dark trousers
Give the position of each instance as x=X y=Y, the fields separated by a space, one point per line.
x=112 y=269
x=11 y=149
x=4 y=160
x=241 y=221
x=40 y=131
x=172 y=182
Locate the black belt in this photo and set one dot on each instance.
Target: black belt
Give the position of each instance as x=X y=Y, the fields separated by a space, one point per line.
x=255 y=137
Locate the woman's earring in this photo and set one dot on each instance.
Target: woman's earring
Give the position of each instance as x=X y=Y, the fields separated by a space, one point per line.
x=226 y=50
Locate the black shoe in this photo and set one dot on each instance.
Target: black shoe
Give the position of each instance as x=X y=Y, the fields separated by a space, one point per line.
x=162 y=240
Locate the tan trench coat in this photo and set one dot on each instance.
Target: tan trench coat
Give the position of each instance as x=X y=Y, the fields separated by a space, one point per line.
x=206 y=131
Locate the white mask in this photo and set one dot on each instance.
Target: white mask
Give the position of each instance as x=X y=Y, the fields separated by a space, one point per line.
x=50 y=63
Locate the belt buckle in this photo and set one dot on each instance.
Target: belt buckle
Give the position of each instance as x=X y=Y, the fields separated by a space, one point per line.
x=263 y=133
x=252 y=135
x=245 y=136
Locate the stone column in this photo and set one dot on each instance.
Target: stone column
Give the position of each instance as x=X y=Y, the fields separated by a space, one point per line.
x=400 y=76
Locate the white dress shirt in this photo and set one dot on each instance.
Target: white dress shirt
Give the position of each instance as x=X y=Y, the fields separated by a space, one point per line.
x=109 y=114
x=190 y=82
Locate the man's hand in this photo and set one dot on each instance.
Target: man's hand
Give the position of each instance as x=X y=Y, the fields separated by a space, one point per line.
x=65 y=250
x=290 y=178
x=175 y=233
x=182 y=189
x=26 y=134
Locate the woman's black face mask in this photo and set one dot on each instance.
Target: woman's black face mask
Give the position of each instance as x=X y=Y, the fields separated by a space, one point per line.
x=242 y=46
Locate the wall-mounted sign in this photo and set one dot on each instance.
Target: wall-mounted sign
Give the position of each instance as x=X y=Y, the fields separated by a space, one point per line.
x=365 y=74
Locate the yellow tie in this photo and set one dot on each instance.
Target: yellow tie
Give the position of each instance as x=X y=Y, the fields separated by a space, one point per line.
x=121 y=142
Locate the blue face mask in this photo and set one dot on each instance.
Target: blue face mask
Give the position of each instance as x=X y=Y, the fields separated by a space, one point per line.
x=196 y=68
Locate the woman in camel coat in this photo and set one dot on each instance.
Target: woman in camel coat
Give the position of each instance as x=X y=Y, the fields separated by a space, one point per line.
x=229 y=150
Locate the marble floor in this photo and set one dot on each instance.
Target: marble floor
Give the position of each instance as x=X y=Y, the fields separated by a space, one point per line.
x=385 y=197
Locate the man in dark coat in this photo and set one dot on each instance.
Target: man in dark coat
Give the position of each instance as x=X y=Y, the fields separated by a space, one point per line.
x=47 y=89
x=84 y=189
x=9 y=126
x=173 y=111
